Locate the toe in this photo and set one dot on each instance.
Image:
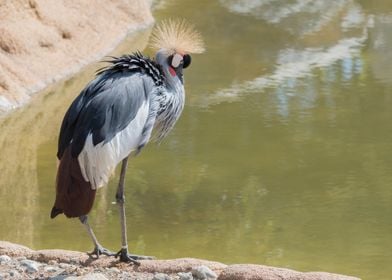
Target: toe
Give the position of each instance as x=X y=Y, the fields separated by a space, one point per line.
x=139 y=257
x=101 y=251
x=129 y=259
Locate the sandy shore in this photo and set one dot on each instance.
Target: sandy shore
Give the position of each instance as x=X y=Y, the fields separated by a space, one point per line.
x=43 y=41
x=20 y=262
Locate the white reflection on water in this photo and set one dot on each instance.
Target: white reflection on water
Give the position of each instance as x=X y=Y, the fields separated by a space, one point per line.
x=354 y=18
x=289 y=14
x=294 y=63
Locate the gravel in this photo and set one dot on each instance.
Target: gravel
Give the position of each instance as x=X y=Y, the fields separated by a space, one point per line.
x=20 y=262
x=4 y=259
x=161 y=276
x=204 y=273
x=24 y=268
x=31 y=266
x=185 y=275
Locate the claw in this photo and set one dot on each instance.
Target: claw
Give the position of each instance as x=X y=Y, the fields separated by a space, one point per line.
x=126 y=257
x=99 y=250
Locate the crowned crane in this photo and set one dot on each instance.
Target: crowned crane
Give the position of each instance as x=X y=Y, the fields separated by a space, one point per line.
x=131 y=101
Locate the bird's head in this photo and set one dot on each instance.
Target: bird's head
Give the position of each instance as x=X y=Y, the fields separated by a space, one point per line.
x=174 y=41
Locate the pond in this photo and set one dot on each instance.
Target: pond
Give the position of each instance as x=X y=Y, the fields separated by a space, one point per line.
x=283 y=155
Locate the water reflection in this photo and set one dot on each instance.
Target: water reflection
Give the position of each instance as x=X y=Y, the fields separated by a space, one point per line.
x=290 y=15
x=299 y=61
x=380 y=43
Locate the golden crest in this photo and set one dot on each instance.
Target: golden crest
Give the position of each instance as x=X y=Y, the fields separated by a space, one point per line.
x=177 y=36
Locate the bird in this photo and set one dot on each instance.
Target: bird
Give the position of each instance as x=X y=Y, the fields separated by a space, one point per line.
x=132 y=101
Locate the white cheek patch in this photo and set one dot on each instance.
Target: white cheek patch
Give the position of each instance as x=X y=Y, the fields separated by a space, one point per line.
x=176 y=61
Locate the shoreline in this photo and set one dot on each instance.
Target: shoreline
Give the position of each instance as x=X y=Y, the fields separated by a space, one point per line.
x=20 y=262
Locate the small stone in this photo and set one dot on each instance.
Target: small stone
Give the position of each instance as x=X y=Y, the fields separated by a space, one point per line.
x=203 y=272
x=67 y=267
x=52 y=262
x=20 y=258
x=71 y=269
x=4 y=259
x=64 y=265
x=93 y=276
x=126 y=275
x=185 y=275
x=13 y=273
x=114 y=270
x=161 y=276
x=79 y=272
x=59 y=277
x=4 y=276
x=74 y=261
x=50 y=269
x=31 y=266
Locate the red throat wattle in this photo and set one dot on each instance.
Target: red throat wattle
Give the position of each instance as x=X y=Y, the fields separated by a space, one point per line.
x=172 y=71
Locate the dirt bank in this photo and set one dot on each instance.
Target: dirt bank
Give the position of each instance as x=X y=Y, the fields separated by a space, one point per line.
x=17 y=261
x=42 y=41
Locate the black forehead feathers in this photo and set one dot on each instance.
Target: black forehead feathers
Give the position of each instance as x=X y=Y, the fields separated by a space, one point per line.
x=169 y=60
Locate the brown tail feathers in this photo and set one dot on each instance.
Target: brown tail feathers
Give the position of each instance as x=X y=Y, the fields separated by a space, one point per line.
x=74 y=196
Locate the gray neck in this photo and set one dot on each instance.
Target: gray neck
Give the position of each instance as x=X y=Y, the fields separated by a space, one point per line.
x=170 y=99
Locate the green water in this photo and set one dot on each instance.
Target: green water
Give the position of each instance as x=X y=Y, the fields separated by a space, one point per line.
x=283 y=155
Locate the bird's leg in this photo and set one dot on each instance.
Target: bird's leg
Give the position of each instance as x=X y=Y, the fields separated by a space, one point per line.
x=120 y=199
x=98 y=249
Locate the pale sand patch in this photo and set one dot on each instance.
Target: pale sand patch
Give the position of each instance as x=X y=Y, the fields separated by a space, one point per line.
x=43 y=41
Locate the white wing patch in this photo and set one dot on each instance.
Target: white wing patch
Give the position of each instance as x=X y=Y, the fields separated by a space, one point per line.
x=97 y=163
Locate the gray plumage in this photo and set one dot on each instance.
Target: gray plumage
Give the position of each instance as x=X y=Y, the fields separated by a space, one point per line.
x=131 y=101
x=110 y=102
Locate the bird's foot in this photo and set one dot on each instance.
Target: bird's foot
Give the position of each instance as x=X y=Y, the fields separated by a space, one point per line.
x=99 y=250
x=126 y=257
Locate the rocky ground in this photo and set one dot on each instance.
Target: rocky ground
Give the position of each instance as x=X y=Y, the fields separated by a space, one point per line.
x=19 y=262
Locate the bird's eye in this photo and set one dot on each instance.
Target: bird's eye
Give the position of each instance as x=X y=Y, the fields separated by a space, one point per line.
x=187 y=60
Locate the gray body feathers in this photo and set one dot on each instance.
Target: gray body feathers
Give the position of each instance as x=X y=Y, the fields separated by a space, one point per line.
x=116 y=114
